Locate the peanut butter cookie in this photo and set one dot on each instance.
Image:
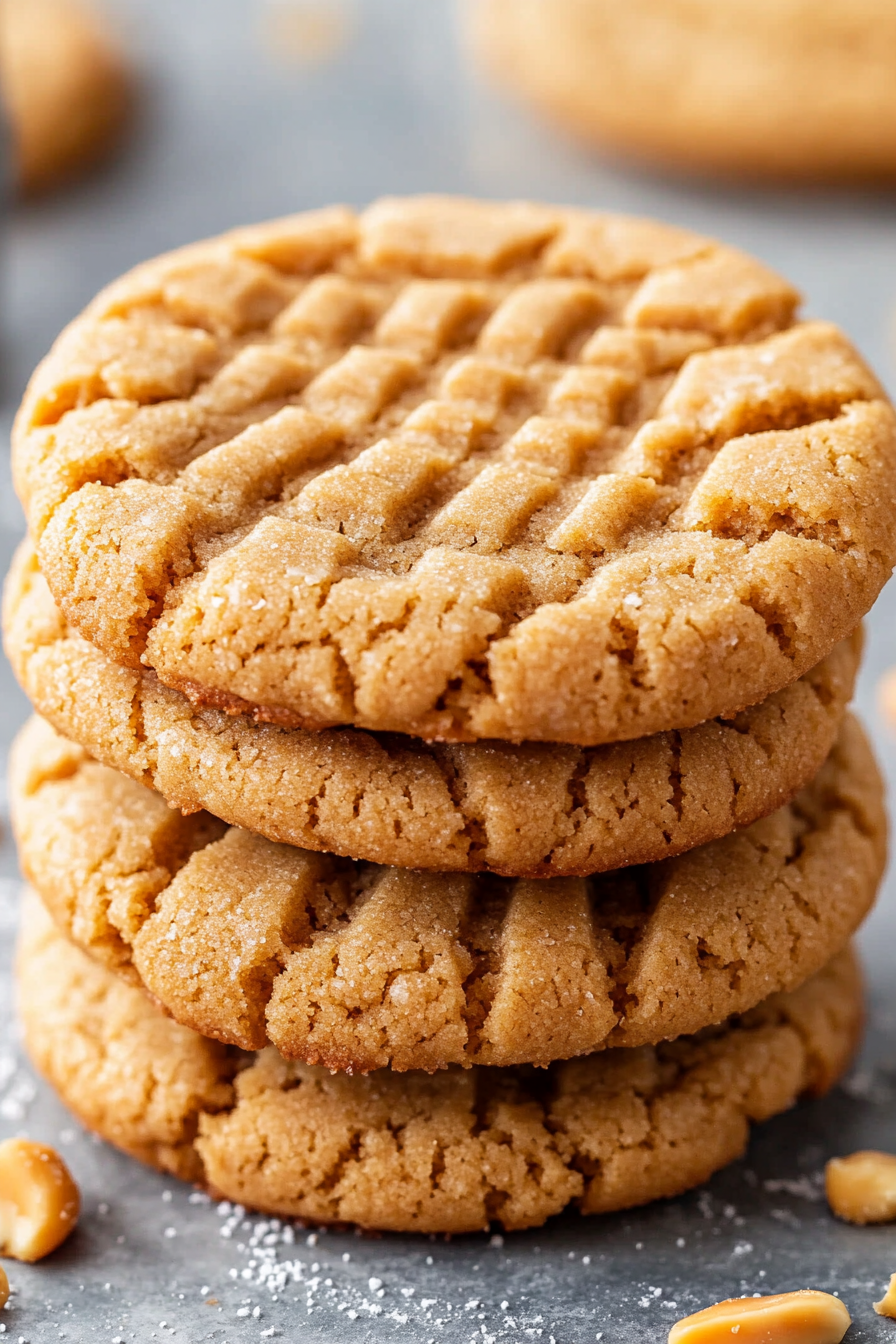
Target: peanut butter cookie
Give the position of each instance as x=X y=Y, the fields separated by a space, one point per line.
x=461 y=470
x=765 y=88
x=65 y=87
x=530 y=810
x=416 y=1153
x=359 y=967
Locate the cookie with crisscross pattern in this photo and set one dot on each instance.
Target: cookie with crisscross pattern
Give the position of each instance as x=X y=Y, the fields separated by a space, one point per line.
x=414 y=1152
x=460 y=470
x=360 y=967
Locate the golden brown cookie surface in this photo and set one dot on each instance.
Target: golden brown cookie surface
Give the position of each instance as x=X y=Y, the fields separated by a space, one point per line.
x=535 y=810
x=359 y=967
x=448 y=1153
x=779 y=88
x=64 y=85
x=460 y=470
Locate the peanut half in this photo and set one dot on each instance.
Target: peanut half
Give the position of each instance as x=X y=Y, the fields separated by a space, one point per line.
x=39 y=1201
x=887 y=1305
x=886 y=695
x=4 y=1288
x=806 y=1317
x=862 y=1187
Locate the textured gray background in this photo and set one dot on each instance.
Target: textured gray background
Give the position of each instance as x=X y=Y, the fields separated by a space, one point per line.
x=234 y=130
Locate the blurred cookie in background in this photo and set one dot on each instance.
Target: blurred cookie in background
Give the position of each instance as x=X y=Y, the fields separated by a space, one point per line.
x=305 y=32
x=65 y=86
x=786 y=89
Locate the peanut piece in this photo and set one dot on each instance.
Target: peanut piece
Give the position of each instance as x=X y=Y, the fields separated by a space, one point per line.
x=806 y=1317
x=887 y=1305
x=886 y=695
x=861 y=1188
x=4 y=1288
x=39 y=1201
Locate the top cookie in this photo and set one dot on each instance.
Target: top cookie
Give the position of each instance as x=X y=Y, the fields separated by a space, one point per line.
x=460 y=470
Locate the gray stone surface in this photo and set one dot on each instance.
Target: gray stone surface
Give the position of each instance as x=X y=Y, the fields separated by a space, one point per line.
x=233 y=130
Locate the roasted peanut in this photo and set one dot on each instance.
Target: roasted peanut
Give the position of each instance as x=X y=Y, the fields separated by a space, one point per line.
x=862 y=1187
x=4 y=1288
x=887 y=1305
x=886 y=695
x=805 y=1317
x=39 y=1201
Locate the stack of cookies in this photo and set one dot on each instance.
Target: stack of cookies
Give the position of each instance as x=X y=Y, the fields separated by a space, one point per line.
x=444 y=807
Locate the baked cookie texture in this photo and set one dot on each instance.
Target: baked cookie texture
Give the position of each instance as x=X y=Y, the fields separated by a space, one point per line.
x=65 y=87
x=461 y=470
x=536 y=809
x=449 y=1153
x=792 y=89
x=358 y=967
